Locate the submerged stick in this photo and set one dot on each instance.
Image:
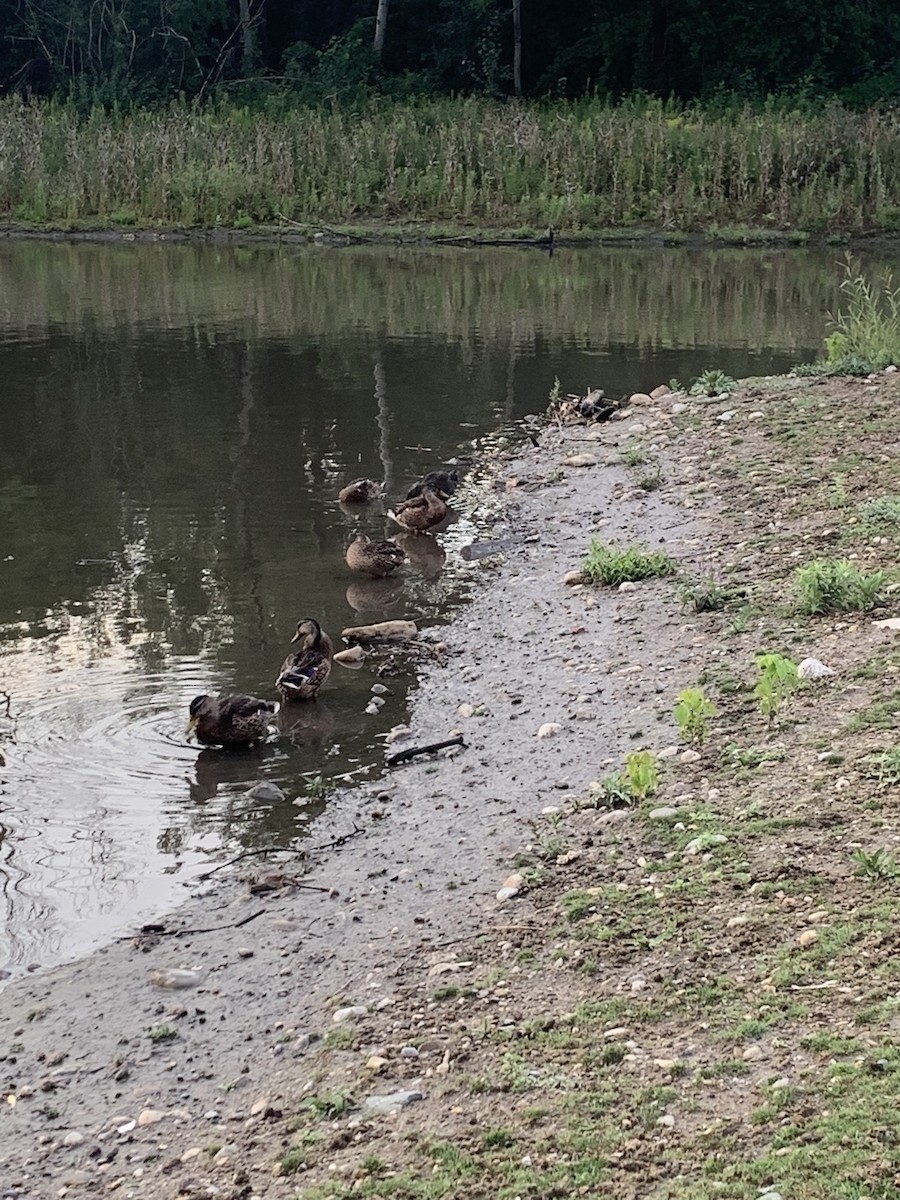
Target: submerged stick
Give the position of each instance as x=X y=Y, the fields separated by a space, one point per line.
x=403 y=755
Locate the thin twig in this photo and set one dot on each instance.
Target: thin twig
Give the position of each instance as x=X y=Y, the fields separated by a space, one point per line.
x=249 y=854
x=161 y=932
x=404 y=755
x=338 y=841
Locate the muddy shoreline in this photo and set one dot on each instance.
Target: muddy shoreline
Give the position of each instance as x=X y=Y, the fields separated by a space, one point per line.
x=79 y=1032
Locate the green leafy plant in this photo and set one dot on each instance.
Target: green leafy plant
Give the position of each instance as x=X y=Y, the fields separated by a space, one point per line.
x=641 y=773
x=707 y=594
x=162 y=1033
x=612 y=790
x=632 y=456
x=613 y=565
x=836 y=587
x=712 y=382
x=691 y=713
x=884 y=510
x=317 y=787
x=867 y=326
x=837 y=496
x=778 y=680
x=878 y=864
x=884 y=768
x=328 y=1107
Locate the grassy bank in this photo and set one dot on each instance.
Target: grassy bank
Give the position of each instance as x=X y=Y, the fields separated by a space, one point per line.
x=456 y=163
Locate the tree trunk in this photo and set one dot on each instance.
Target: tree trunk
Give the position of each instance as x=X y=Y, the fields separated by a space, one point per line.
x=246 y=37
x=380 y=26
x=517 y=46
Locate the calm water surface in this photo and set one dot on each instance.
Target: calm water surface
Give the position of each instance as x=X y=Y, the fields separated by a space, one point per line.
x=176 y=422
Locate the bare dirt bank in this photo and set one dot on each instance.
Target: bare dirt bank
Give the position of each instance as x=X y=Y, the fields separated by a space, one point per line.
x=661 y=1009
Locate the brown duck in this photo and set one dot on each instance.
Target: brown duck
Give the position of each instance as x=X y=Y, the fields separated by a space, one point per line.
x=304 y=672
x=235 y=722
x=360 y=491
x=421 y=513
x=375 y=559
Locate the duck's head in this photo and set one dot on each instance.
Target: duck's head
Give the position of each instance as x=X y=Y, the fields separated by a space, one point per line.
x=197 y=705
x=309 y=633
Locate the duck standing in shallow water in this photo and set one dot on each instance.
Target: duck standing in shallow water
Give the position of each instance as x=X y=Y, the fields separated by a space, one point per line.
x=421 y=513
x=360 y=491
x=375 y=559
x=304 y=672
x=443 y=482
x=235 y=722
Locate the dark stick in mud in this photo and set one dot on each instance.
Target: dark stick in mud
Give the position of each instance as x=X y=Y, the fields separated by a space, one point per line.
x=404 y=755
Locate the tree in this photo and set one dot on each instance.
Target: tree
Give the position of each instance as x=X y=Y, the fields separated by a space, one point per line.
x=380 y=26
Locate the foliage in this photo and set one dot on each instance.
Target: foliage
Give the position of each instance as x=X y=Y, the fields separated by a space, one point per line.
x=641 y=773
x=612 y=790
x=712 y=382
x=867 y=327
x=778 y=680
x=613 y=565
x=706 y=594
x=878 y=864
x=465 y=160
x=836 y=587
x=691 y=713
x=883 y=767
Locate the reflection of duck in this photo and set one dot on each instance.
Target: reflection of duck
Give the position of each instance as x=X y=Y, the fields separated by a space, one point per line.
x=421 y=513
x=425 y=553
x=443 y=482
x=213 y=770
x=306 y=724
x=360 y=491
x=375 y=559
x=378 y=595
x=234 y=722
x=303 y=673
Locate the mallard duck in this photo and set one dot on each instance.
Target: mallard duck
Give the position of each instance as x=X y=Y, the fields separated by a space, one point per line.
x=360 y=491
x=421 y=513
x=375 y=559
x=303 y=673
x=443 y=482
x=235 y=722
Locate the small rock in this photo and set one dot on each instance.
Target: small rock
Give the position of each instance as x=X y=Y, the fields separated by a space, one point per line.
x=690 y=756
x=268 y=793
x=642 y=397
x=812 y=668
x=817 y=917
x=780 y=1084
x=660 y=392
x=627 y=586
x=736 y=922
x=678 y=408
x=704 y=842
x=727 y=416
x=465 y=710
x=149 y=1116
x=663 y=814
x=572 y=577
x=665 y=1064
x=379 y=689
x=888 y=623
x=258 y=1107
x=176 y=977
x=391 y=1103
x=507 y=893
x=73 y=1178
x=126 y=1127
x=614 y=818
x=580 y=460
x=667 y=1120
x=352 y=655
x=548 y=729
x=753 y=1054
x=73 y=1138
x=807 y=937
x=192 y=1153
x=409 y=1052
x=351 y=1013
x=637 y=427
x=372 y=708
x=667 y=752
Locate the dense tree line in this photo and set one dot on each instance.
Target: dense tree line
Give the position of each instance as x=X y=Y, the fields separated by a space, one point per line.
x=147 y=51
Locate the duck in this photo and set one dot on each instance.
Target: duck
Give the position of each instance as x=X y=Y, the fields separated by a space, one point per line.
x=443 y=482
x=360 y=491
x=421 y=513
x=375 y=559
x=304 y=672
x=234 y=722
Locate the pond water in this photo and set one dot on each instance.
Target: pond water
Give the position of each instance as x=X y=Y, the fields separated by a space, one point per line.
x=176 y=423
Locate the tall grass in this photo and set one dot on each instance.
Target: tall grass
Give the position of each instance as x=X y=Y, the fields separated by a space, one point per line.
x=866 y=328
x=587 y=165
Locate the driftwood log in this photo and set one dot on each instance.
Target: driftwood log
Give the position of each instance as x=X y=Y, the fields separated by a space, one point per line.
x=392 y=631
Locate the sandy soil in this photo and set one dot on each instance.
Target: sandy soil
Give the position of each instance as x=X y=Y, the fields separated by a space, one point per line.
x=629 y=1017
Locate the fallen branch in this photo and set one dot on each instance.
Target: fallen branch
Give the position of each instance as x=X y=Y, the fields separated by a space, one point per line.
x=161 y=931
x=404 y=755
x=338 y=841
x=249 y=854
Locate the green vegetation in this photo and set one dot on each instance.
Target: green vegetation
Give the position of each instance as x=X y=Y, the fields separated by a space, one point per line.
x=866 y=330
x=162 y=1033
x=691 y=713
x=641 y=773
x=467 y=161
x=712 y=382
x=839 y=586
x=613 y=565
x=778 y=680
x=706 y=595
